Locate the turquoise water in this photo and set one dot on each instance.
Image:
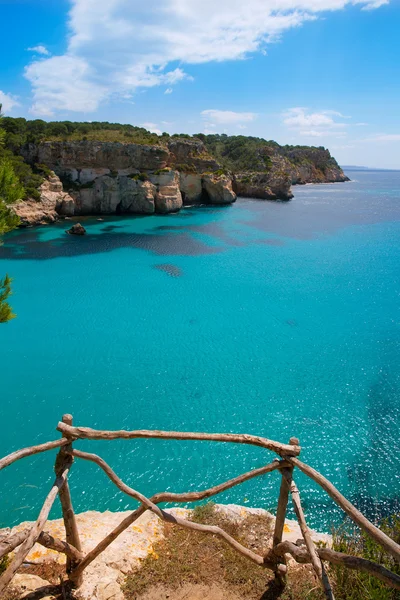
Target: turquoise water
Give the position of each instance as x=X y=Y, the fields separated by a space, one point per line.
x=278 y=319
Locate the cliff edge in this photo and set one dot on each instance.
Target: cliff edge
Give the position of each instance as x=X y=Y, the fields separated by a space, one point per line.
x=105 y=578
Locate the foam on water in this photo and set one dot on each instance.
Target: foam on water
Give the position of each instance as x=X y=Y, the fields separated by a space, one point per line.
x=278 y=319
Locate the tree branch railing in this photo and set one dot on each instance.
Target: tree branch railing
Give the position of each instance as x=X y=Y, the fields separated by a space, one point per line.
x=275 y=559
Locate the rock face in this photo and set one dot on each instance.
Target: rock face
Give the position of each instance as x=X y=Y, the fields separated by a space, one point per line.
x=97 y=178
x=53 y=203
x=218 y=189
x=168 y=197
x=191 y=187
x=273 y=184
x=77 y=229
x=113 y=178
x=313 y=165
x=103 y=577
x=100 y=157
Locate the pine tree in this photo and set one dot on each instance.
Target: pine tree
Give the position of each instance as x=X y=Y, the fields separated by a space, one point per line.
x=6 y=313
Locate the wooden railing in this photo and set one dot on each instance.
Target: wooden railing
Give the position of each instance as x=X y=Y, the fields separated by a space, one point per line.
x=275 y=558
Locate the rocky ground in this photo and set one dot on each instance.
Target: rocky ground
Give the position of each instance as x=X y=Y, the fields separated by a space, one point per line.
x=105 y=576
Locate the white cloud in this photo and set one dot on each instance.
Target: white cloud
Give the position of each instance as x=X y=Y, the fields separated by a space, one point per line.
x=227 y=117
x=39 y=50
x=121 y=45
x=152 y=127
x=7 y=101
x=372 y=4
x=63 y=83
x=301 y=117
x=168 y=91
x=314 y=124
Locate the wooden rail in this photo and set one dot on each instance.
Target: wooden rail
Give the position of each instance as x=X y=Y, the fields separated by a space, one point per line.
x=274 y=560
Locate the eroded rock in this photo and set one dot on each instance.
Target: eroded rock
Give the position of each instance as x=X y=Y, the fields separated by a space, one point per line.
x=77 y=229
x=53 y=203
x=168 y=197
x=218 y=188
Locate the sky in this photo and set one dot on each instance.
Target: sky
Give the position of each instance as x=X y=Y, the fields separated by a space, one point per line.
x=311 y=72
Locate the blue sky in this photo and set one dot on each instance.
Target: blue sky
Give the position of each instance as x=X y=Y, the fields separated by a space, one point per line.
x=320 y=72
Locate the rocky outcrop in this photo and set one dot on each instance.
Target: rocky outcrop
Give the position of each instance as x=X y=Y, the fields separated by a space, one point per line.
x=259 y=185
x=103 y=578
x=218 y=189
x=312 y=165
x=114 y=195
x=191 y=187
x=273 y=184
x=168 y=197
x=77 y=229
x=53 y=203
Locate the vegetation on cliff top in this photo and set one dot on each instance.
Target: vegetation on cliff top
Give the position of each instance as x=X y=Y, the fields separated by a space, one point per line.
x=235 y=153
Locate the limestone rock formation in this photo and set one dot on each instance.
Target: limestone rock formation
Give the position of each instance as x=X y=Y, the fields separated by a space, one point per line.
x=218 y=189
x=93 y=155
x=191 y=187
x=168 y=197
x=77 y=229
x=268 y=186
x=115 y=178
x=191 y=155
x=53 y=203
x=114 y=195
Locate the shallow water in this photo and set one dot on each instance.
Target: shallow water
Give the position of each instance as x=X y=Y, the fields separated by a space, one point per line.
x=278 y=319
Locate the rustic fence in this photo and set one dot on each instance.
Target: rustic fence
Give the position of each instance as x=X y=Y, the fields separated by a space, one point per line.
x=275 y=559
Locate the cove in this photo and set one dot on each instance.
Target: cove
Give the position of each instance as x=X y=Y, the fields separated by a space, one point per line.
x=277 y=319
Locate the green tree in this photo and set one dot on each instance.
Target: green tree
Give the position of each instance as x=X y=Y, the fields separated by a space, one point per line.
x=10 y=191
x=6 y=313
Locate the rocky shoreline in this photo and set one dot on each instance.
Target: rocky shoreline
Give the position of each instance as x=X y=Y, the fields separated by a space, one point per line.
x=103 y=578
x=104 y=178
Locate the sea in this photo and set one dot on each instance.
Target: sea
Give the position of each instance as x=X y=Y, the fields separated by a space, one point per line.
x=277 y=319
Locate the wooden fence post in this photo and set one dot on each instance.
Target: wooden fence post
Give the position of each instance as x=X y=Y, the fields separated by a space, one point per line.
x=71 y=529
x=281 y=515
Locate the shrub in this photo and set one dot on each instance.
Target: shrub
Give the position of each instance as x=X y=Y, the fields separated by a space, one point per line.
x=354 y=585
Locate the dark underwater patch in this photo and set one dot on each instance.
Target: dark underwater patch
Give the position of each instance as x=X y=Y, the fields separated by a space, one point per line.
x=171 y=270
x=30 y=246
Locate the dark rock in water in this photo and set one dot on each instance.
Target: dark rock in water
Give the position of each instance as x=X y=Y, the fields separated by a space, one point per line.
x=77 y=229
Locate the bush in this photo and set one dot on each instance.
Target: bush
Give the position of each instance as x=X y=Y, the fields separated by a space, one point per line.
x=354 y=585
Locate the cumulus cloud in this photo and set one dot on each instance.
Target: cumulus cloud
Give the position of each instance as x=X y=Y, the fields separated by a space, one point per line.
x=7 y=101
x=122 y=45
x=307 y=123
x=168 y=91
x=39 y=50
x=64 y=83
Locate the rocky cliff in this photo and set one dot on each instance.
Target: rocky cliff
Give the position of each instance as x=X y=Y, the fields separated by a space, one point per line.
x=94 y=177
